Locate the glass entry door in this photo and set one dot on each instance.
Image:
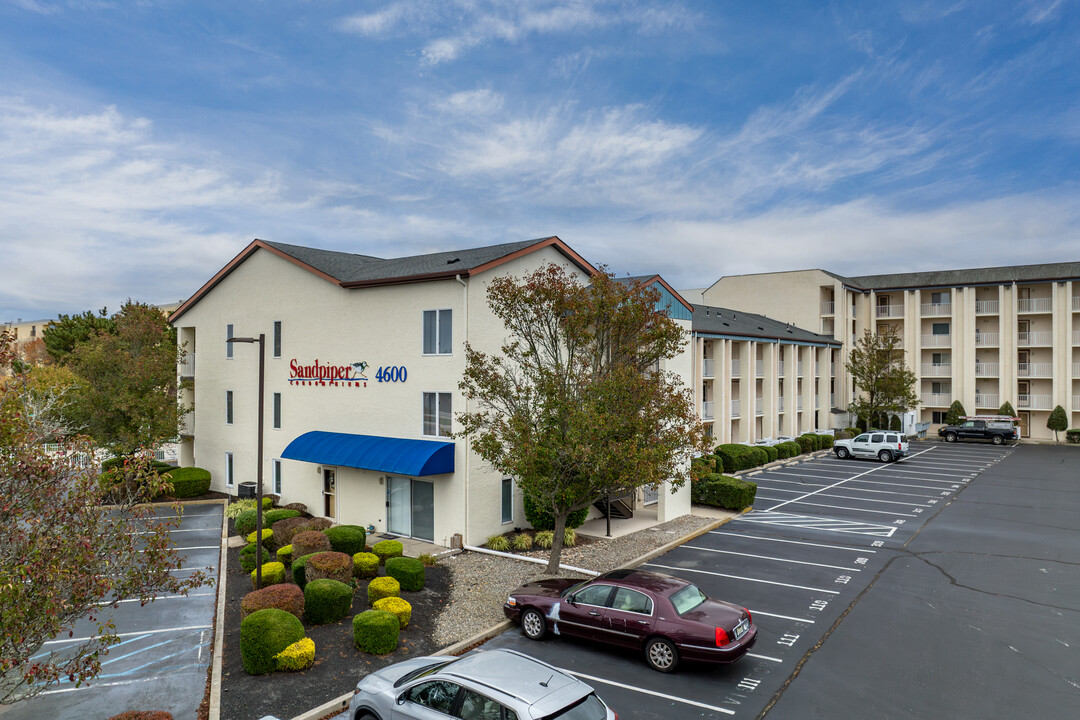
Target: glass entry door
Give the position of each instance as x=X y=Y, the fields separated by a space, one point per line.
x=410 y=508
x=329 y=493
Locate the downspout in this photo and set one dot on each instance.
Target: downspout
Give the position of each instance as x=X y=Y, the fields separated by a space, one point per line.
x=465 y=296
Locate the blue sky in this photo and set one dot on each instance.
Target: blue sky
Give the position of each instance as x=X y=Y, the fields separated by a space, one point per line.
x=143 y=144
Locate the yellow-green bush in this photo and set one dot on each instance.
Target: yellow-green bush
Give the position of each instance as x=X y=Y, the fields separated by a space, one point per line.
x=267 y=534
x=284 y=554
x=272 y=574
x=386 y=549
x=298 y=656
x=382 y=587
x=376 y=631
x=365 y=565
x=400 y=607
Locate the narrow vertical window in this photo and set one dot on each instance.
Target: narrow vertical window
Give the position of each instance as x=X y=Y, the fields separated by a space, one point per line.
x=507 y=500
x=228 y=345
x=277 y=411
x=277 y=338
x=438 y=332
x=437 y=414
x=229 y=469
x=228 y=407
x=446 y=327
x=277 y=477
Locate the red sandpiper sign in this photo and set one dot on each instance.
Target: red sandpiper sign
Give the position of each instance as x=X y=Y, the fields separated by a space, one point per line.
x=320 y=373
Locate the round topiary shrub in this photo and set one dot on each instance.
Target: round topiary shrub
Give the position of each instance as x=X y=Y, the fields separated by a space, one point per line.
x=382 y=587
x=386 y=549
x=189 y=482
x=298 y=656
x=542 y=519
x=285 y=530
x=267 y=537
x=348 y=539
x=272 y=574
x=401 y=609
x=326 y=601
x=365 y=565
x=245 y=522
x=248 y=557
x=284 y=554
x=308 y=542
x=409 y=572
x=283 y=596
x=265 y=633
x=329 y=565
x=299 y=567
x=376 y=632
x=272 y=516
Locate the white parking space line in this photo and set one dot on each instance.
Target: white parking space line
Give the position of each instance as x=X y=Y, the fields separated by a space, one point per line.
x=917 y=471
x=793 y=542
x=654 y=693
x=906 y=503
x=132 y=634
x=768 y=557
x=833 y=507
x=817 y=522
x=97 y=685
x=764 y=657
x=755 y=613
x=160 y=598
x=741 y=577
x=896 y=484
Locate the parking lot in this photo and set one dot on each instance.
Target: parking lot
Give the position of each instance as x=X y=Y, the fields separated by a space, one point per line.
x=164 y=651
x=820 y=531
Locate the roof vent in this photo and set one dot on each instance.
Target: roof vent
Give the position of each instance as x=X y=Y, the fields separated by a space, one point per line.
x=451 y=262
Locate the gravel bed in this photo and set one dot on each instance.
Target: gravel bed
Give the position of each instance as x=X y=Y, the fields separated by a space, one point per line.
x=479 y=583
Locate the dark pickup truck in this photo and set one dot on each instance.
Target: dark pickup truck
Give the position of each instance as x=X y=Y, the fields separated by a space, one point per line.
x=998 y=432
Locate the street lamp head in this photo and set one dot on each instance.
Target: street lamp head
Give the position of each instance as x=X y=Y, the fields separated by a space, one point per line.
x=243 y=339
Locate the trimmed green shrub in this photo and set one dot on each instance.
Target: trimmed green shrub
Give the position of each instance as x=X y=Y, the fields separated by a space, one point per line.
x=265 y=633
x=272 y=573
x=348 y=539
x=376 y=632
x=806 y=445
x=283 y=596
x=365 y=565
x=284 y=554
x=248 y=557
x=522 y=542
x=826 y=441
x=326 y=601
x=272 y=516
x=298 y=656
x=895 y=423
x=189 y=481
x=382 y=587
x=299 y=567
x=1058 y=421
x=724 y=491
x=329 y=565
x=309 y=542
x=956 y=411
x=1006 y=409
x=400 y=607
x=772 y=452
x=387 y=549
x=815 y=440
x=786 y=450
x=245 y=522
x=735 y=457
x=541 y=519
x=267 y=537
x=758 y=455
x=409 y=572
x=544 y=539
x=499 y=543
x=702 y=466
x=1072 y=435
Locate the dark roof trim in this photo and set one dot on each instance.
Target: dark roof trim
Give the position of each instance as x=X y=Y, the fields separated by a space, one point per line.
x=751 y=338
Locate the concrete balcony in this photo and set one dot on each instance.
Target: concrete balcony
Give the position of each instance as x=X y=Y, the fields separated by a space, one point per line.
x=986 y=307
x=937 y=340
x=986 y=400
x=187 y=367
x=1034 y=402
x=936 y=309
x=707 y=412
x=1035 y=305
x=890 y=311
x=735 y=408
x=985 y=339
x=936 y=399
x=707 y=365
x=936 y=369
x=986 y=369
x=1029 y=339
x=1041 y=370
x=828 y=308
x=736 y=368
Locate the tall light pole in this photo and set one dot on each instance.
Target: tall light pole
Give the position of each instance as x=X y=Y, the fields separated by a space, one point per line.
x=259 y=455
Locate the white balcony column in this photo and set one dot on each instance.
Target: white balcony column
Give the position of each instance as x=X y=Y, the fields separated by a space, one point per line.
x=746 y=395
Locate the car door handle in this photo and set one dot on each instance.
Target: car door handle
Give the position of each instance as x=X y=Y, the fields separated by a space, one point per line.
x=643 y=622
x=593 y=612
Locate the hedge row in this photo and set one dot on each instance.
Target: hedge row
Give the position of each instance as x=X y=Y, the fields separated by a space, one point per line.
x=733 y=457
x=723 y=491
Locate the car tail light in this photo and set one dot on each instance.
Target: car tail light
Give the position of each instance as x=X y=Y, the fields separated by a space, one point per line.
x=748 y=615
x=721 y=637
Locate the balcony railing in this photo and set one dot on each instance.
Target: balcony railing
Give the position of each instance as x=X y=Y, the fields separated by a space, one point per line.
x=832 y=399
x=1035 y=369
x=780 y=368
x=759 y=406
x=828 y=308
x=707 y=410
x=890 y=311
x=986 y=307
x=1076 y=304
x=1076 y=403
x=936 y=399
x=1034 y=402
x=734 y=408
x=986 y=369
x=936 y=369
x=798 y=369
x=986 y=339
x=1076 y=371
x=985 y=400
x=1035 y=305
x=187 y=367
x=931 y=309
x=937 y=340
x=780 y=404
x=707 y=367
x=817 y=369
x=736 y=368
x=798 y=404
x=1042 y=337
x=1076 y=337
x=759 y=368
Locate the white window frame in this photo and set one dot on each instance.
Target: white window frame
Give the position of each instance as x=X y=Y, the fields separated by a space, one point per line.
x=275 y=412
x=438 y=332
x=230 y=407
x=438 y=413
x=275 y=476
x=507 y=507
x=228 y=345
x=230 y=469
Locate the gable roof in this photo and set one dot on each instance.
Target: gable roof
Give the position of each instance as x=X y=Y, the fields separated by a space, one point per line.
x=352 y=270
x=648 y=280
x=725 y=321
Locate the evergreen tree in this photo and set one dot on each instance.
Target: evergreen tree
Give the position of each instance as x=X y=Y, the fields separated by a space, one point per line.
x=1058 y=421
x=956 y=411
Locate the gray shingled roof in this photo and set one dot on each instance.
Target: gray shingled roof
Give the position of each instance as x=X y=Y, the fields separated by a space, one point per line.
x=724 y=321
x=970 y=276
x=352 y=268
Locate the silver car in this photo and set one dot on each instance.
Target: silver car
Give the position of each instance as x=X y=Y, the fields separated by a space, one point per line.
x=886 y=446
x=497 y=684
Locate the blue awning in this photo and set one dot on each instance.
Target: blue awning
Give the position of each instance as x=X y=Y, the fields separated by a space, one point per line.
x=372 y=452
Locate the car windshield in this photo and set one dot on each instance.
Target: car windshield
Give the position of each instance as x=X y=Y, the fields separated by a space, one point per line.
x=421 y=672
x=574 y=588
x=687 y=599
x=587 y=708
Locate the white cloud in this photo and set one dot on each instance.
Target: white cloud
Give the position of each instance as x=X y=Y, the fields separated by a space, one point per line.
x=376 y=23
x=1040 y=12
x=482 y=101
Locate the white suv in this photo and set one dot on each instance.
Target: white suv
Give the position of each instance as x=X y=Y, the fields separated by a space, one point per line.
x=885 y=446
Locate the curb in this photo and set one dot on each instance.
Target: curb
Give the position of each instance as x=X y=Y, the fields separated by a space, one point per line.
x=219 y=626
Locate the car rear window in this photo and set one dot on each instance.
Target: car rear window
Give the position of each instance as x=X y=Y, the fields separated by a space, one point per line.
x=687 y=599
x=588 y=708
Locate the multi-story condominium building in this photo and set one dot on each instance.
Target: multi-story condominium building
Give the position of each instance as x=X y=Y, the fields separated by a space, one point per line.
x=982 y=336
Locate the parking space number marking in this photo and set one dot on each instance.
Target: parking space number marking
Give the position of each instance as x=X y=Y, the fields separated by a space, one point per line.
x=787 y=640
x=819 y=605
x=748 y=684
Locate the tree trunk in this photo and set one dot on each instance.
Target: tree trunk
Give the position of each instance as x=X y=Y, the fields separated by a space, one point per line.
x=557 y=542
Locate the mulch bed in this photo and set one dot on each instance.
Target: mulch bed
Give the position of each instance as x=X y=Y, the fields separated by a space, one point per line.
x=338 y=664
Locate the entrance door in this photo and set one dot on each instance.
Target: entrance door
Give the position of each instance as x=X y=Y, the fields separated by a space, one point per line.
x=410 y=508
x=329 y=493
x=1025 y=422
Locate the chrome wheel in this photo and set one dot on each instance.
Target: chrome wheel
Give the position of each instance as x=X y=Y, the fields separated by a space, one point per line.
x=661 y=655
x=885 y=456
x=532 y=624
x=950 y=437
x=997 y=440
x=841 y=453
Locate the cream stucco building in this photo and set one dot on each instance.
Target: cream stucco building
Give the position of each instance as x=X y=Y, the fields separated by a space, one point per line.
x=982 y=336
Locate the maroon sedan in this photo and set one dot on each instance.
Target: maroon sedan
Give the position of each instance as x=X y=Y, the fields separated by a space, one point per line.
x=665 y=617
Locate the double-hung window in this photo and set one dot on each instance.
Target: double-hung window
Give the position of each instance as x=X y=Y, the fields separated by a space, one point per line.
x=438 y=332
x=437 y=414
